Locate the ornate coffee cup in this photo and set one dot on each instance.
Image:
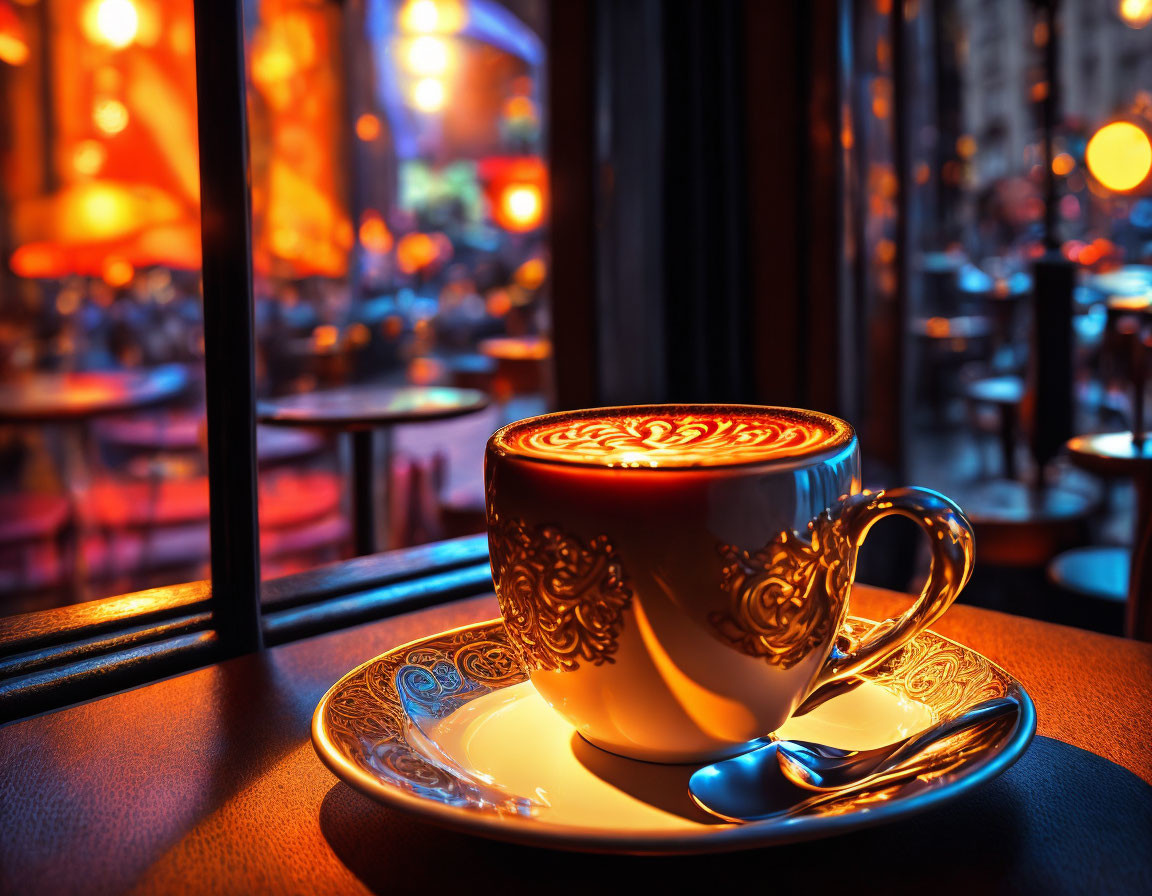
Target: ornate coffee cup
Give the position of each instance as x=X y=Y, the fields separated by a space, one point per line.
x=675 y=578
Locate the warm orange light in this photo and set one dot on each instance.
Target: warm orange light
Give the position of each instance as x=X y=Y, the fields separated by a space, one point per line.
x=428 y=16
x=674 y=440
x=88 y=156
x=498 y=302
x=415 y=251
x=1063 y=164
x=110 y=116
x=425 y=371
x=1136 y=13
x=427 y=55
x=519 y=107
x=113 y=23
x=521 y=207
x=937 y=327
x=374 y=233
x=966 y=146
x=428 y=95
x=325 y=336
x=13 y=41
x=1119 y=155
x=117 y=271
x=531 y=274
x=367 y=127
x=39 y=261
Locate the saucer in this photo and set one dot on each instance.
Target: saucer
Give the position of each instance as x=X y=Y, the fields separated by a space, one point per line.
x=450 y=729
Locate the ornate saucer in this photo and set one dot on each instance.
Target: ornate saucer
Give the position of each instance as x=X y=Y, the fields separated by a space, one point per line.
x=449 y=728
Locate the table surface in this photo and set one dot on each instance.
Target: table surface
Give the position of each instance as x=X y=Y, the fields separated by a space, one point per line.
x=49 y=397
x=516 y=348
x=208 y=782
x=999 y=390
x=367 y=406
x=1111 y=453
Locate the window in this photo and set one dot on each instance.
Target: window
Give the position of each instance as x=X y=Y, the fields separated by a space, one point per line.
x=399 y=195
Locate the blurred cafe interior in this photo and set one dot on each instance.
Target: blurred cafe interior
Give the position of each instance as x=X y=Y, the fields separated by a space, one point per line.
x=288 y=273
x=410 y=162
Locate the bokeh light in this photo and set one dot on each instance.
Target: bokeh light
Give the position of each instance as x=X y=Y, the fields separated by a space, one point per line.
x=1063 y=164
x=430 y=16
x=1136 y=13
x=117 y=271
x=13 y=41
x=428 y=95
x=374 y=233
x=1119 y=155
x=367 y=127
x=88 y=157
x=110 y=116
x=427 y=55
x=415 y=251
x=113 y=23
x=521 y=207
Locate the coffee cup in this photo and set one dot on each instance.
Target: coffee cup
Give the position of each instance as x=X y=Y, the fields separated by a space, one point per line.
x=675 y=578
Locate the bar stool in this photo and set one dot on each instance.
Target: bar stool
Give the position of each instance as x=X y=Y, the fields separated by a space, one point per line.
x=1005 y=394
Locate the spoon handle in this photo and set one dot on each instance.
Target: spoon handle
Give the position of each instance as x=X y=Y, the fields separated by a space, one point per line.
x=981 y=712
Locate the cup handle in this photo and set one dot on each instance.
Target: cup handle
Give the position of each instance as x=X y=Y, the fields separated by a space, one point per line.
x=950 y=535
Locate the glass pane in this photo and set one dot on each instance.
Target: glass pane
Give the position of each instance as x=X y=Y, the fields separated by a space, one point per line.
x=976 y=182
x=399 y=201
x=103 y=485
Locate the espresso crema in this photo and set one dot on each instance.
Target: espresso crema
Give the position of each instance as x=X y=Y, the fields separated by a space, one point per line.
x=672 y=437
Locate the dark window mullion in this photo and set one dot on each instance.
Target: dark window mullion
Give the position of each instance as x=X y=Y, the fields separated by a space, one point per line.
x=226 y=241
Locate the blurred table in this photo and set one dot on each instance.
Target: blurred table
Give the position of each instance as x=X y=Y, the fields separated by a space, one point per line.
x=1005 y=393
x=1129 y=280
x=359 y=411
x=72 y=397
x=1098 y=572
x=71 y=400
x=1116 y=454
x=208 y=782
x=521 y=363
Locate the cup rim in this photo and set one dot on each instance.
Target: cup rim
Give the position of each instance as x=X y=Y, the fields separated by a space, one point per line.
x=845 y=437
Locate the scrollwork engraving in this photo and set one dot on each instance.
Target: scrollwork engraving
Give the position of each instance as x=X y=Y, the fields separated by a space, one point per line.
x=562 y=599
x=786 y=599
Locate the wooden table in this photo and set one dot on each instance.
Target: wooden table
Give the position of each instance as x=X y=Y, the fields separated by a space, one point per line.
x=208 y=782
x=359 y=410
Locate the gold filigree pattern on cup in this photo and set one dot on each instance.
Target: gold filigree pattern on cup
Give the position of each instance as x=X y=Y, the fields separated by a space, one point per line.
x=369 y=714
x=785 y=600
x=562 y=599
x=677 y=440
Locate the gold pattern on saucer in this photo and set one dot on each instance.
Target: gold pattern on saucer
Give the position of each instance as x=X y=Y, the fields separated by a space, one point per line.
x=952 y=678
x=786 y=599
x=562 y=599
x=365 y=714
x=368 y=727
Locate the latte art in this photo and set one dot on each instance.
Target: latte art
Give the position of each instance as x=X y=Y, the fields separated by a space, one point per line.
x=683 y=439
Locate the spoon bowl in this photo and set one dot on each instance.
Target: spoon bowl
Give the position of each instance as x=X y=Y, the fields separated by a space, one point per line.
x=781 y=777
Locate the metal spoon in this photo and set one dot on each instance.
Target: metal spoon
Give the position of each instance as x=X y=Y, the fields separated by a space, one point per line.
x=779 y=778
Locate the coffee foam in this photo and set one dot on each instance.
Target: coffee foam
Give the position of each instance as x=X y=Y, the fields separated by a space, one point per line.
x=674 y=437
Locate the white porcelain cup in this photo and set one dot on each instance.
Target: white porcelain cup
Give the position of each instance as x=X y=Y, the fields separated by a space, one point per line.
x=674 y=578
